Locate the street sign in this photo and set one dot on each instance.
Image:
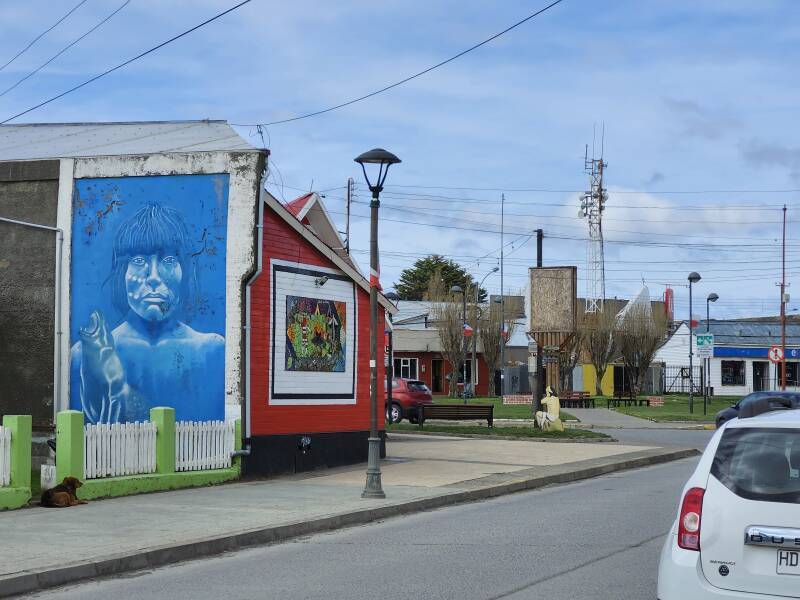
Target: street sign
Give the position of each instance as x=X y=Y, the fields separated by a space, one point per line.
x=775 y=354
x=705 y=345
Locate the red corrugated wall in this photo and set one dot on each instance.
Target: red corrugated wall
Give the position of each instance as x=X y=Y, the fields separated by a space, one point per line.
x=284 y=243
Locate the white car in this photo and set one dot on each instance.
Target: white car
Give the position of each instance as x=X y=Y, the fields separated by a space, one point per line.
x=737 y=534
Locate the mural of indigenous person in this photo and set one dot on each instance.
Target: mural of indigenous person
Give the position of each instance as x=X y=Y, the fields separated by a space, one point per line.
x=315 y=334
x=152 y=357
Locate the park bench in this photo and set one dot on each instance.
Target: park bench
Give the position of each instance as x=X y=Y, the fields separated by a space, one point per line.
x=572 y=399
x=456 y=412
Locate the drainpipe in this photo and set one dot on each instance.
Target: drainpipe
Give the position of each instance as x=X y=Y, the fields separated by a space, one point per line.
x=58 y=332
x=248 y=303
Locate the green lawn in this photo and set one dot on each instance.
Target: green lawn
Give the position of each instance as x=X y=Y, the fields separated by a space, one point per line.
x=676 y=408
x=518 y=432
x=501 y=411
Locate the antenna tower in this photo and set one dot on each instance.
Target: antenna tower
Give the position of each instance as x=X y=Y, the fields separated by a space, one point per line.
x=592 y=206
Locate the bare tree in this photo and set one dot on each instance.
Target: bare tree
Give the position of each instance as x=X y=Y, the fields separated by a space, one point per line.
x=568 y=355
x=446 y=313
x=490 y=331
x=599 y=330
x=639 y=334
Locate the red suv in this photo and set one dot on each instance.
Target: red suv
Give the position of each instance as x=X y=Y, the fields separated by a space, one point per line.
x=407 y=395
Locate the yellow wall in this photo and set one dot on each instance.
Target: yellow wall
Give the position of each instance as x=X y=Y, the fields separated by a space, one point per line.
x=589 y=378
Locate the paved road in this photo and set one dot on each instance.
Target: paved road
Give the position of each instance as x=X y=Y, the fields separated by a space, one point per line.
x=595 y=539
x=683 y=438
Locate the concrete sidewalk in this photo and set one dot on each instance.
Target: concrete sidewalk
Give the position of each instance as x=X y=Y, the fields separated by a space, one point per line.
x=611 y=419
x=49 y=547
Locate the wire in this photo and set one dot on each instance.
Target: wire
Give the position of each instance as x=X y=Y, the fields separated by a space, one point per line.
x=127 y=62
x=407 y=79
x=63 y=50
x=570 y=191
x=41 y=35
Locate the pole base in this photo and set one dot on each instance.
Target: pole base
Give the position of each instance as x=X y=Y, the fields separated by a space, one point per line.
x=373 y=488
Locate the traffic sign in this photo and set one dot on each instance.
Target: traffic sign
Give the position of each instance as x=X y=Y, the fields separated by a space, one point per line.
x=705 y=345
x=775 y=354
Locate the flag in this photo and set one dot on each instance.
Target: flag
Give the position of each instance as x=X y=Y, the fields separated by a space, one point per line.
x=504 y=332
x=467 y=330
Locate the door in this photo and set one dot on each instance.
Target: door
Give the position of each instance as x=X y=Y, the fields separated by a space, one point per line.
x=437 y=380
x=760 y=376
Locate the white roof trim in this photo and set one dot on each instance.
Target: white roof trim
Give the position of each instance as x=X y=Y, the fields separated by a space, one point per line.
x=326 y=250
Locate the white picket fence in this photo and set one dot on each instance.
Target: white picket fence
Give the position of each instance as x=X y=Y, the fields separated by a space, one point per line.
x=117 y=449
x=201 y=445
x=5 y=456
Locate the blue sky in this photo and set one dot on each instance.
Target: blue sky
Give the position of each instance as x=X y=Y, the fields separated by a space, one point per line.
x=695 y=97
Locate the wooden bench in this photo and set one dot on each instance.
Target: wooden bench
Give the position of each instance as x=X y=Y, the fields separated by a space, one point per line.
x=575 y=400
x=456 y=412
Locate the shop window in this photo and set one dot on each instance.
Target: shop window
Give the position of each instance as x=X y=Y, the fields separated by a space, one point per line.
x=733 y=372
x=406 y=368
x=792 y=372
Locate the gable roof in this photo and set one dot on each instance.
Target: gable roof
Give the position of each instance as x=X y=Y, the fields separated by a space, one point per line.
x=310 y=236
x=310 y=210
x=71 y=140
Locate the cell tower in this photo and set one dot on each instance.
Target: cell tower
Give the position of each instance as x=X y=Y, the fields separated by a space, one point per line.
x=592 y=206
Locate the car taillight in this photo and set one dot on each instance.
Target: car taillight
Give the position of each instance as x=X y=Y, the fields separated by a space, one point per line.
x=689 y=520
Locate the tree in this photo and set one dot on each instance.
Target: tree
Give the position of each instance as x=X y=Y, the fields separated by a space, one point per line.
x=598 y=332
x=639 y=334
x=568 y=355
x=414 y=281
x=489 y=332
x=446 y=314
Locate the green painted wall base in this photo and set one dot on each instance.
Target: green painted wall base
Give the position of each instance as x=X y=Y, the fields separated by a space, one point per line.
x=14 y=497
x=154 y=482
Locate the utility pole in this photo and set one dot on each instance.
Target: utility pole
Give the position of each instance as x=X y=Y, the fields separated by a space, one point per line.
x=539 y=391
x=347 y=224
x=783 y=303
x=502 y=301
x=592 y=206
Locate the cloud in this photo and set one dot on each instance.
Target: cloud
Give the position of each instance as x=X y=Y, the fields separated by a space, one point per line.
x=700 y=121
x=766 y=154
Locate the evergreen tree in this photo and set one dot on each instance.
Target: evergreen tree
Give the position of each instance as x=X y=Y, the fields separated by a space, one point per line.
x=414 y=281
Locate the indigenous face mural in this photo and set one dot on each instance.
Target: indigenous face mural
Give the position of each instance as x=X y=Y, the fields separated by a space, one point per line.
x=315 y=334
x=148 y=297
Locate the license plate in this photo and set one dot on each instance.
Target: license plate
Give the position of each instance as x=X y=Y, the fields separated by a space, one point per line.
x=789 y=562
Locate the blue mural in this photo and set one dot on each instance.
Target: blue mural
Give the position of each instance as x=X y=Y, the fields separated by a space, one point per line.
x=148 y=297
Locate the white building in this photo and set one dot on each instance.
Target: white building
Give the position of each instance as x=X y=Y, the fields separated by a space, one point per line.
x=740 y=363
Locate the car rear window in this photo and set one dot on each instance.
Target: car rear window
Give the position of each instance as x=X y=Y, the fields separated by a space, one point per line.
x=417 y=386
x=760 y=463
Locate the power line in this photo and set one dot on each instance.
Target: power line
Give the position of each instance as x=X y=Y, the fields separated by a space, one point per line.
x=63 y=50
x=127 y=62
x=407 y=79
x=41 y=35
x=573 y=191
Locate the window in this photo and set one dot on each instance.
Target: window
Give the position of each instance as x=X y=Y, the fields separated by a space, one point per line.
x=405 y=368
x=791 y=373
x=760 y=463
x=732 y=372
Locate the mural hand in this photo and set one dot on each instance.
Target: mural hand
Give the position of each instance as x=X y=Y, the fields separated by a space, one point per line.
x=100 y=359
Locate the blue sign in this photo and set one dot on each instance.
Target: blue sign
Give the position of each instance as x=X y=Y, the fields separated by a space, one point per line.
x=749 y=352
x=148 y=297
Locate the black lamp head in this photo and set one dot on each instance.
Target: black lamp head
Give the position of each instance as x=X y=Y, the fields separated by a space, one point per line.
x=377 y=156
x=694 y=277
x=712 y=297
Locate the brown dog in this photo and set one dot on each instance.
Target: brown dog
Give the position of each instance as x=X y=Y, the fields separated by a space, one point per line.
x=63 y=495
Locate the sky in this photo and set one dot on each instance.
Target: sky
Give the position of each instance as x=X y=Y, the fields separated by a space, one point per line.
x=698 y=102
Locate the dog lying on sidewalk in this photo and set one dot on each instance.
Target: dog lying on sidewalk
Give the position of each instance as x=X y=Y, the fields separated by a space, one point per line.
x=63 y=495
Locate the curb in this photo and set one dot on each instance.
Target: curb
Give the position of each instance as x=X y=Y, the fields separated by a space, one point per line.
x=519 y=438
x=32 y=581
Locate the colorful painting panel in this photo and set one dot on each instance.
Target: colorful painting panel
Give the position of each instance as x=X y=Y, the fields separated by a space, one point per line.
x=316 y=335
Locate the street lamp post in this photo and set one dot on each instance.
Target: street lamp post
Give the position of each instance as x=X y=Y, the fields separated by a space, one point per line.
x=457 y=289
x=475 y=331
x=384 y=159
x=712 y=297
x=694 y=277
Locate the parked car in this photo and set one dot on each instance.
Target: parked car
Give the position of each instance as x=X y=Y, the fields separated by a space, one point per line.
x=407 y=395
x=726 y=414
x=737 y=531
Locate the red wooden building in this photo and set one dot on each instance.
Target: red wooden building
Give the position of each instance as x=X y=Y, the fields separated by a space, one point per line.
x=309 y=396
